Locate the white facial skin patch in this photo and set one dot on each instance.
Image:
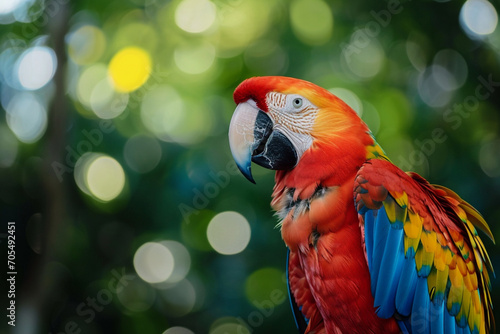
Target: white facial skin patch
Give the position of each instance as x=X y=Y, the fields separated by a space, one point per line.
x=294 y=116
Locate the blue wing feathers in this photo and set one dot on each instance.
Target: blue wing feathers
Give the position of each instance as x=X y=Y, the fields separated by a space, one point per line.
x=380 y=230
x=420 y=308
x=449 y=324
x=437 y=318
x=462 y=321
x=390 y=271
x=404 y=325
x=406 y=287
x=369 y=223
x=464 y=330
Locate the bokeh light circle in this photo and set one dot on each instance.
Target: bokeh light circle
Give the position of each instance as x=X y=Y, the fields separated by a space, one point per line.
x=182 y=260
x=7 y=7
x=162 y=110
x=153 y=262
x=228 y=233
x=178 y=330
x=312 y=21
x=166 y=114
x=86 y=44
x=229 y=325
x=26 y=117
x=179 y=299
x=195 y=16
x=89 y=78
x=242 y=23
x=36 y=67
x=450 y=70
x=106 y=102
x=443 y=77
x=430 y=86
x=82 y=158
x=478 y=17
x=105 y=178
x=488 y=158
x=130 y=68
x=136 y=295
x=367 y=61
x=266 y=284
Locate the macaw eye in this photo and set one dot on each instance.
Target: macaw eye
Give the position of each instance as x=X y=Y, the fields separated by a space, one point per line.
x=297 y=102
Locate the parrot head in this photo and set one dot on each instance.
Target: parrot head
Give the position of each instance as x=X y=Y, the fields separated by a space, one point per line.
x=296 y=127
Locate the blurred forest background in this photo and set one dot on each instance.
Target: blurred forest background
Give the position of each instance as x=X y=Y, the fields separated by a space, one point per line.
x=114 y=161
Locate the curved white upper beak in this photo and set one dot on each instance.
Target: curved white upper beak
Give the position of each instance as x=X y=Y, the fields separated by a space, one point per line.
x=241 y=136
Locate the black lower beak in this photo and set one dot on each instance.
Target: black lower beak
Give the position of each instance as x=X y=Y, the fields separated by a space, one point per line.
x=272 y=149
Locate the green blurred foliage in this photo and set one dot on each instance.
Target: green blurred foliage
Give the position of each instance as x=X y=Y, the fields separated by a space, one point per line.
x=164 y=170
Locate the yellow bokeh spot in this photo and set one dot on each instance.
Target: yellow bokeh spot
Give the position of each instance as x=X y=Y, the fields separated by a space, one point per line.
x=130 y=69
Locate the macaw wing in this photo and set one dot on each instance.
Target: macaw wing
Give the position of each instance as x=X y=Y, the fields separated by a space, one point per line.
x=429 y=269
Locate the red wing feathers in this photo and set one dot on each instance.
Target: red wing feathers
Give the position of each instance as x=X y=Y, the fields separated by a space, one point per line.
x=302 y=294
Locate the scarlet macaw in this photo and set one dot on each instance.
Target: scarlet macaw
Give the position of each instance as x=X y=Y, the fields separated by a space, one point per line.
x=372 y=249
